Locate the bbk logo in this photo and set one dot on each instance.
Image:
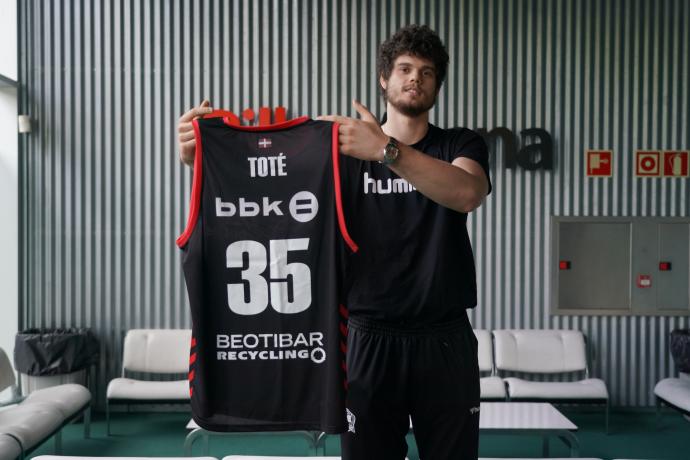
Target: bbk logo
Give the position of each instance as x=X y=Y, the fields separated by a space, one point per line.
x=303 y=207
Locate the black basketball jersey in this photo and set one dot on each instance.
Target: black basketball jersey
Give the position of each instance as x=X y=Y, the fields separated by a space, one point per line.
x=262 y=257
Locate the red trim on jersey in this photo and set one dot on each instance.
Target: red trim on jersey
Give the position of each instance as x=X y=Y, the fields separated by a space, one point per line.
x=218 y=113
x=193 y=342
x=191 y=391
x=335 y=148
x=343 y=347
x=343 y=311
x=192 y=359
x=232 y=119
x=343 y=329
x=273 y=127
x=191 y=375
x=195 y=200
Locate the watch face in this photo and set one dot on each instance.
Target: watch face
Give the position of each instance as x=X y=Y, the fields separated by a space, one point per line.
x=390 y=153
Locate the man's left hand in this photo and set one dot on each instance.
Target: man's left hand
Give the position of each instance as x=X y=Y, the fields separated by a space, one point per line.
x=363 y=139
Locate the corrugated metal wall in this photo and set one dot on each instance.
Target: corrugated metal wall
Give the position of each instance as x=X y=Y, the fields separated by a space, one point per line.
x=103 y=196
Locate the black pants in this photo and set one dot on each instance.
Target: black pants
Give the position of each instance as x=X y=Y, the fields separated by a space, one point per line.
x=429 y=375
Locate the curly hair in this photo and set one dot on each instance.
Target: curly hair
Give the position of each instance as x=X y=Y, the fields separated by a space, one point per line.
x=418 y=41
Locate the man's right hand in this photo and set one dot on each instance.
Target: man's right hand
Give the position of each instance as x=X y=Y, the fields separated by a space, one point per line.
x=185 y=129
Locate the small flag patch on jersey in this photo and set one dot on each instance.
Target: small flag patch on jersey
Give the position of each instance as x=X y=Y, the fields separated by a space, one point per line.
x=264 y=143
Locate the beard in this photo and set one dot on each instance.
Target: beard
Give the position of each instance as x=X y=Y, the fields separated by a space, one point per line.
x=413 y=108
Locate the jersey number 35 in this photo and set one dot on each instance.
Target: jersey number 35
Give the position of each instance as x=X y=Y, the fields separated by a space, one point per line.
x=289 y=284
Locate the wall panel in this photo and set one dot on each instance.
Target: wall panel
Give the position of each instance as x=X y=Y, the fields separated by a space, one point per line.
x=102 y=195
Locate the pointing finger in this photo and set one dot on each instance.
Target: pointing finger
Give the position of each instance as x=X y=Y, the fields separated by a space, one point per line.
x=364 y=112
x=196 y=112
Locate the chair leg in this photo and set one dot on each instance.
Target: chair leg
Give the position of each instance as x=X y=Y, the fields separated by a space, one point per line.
x=107 y=417
x=87 y=423
x=608 y=412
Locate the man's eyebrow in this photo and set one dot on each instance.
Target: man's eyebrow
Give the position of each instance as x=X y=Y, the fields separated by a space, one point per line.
x=424 y=67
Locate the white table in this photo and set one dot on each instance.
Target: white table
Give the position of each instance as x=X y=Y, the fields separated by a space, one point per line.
x=528 y=418
x=531 y=418
x=314 y=437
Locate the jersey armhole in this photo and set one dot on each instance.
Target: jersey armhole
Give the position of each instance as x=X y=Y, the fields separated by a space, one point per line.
x=195 y=200
x=338 y=194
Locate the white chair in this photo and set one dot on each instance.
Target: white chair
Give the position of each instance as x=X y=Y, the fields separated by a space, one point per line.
x=9 y=447
x=27 y=423
x=153 y=351
x=492 y=387
x=548 y=352
x=675 y=393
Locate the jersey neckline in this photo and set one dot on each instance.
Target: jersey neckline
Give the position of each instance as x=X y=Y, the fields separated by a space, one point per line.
x=273 y=127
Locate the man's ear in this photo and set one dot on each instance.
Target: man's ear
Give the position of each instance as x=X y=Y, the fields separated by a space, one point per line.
x=383 y=82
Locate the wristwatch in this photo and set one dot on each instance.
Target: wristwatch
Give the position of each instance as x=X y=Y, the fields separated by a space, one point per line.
x=390 y=151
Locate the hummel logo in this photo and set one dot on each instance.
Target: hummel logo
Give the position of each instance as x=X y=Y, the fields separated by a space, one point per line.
x=474 y=410
x=382 y=187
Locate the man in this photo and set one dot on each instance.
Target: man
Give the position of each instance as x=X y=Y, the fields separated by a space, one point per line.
x=408 y=186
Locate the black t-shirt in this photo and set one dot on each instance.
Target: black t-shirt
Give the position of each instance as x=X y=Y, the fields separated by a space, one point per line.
x=415 y=266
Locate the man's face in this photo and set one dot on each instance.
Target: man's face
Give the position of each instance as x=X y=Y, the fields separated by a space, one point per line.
x=411 y=88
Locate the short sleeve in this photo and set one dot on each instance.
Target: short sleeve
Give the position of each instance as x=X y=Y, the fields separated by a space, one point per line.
x=466 y=143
